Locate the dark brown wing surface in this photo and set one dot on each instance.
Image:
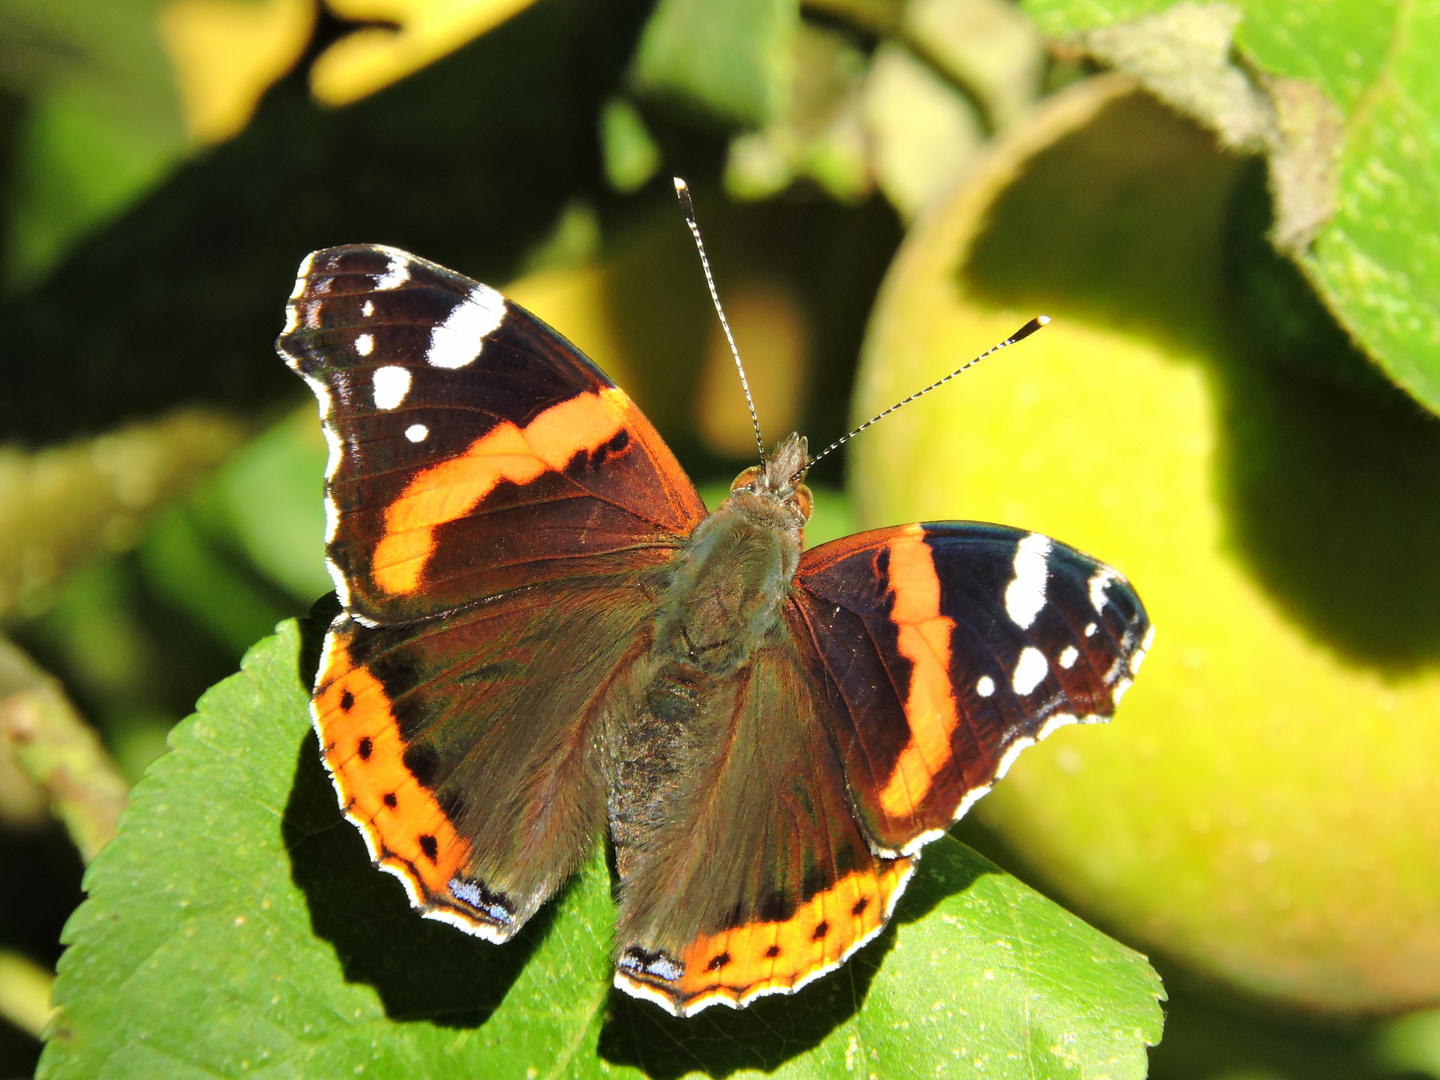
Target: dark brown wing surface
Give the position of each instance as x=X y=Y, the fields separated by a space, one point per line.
x=473 y=449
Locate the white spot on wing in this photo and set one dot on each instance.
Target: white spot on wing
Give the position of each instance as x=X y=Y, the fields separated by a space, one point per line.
x=1149 y=639
x=1136 y=661
x=1098 y=583
x=1030 y=670
x=1120 y=688
x=1068 y=656
x=985 y=686
x=417 y=432
x=1025 y=595
x=365 y=344
x=458 y=340
x=1090 y=629
x=397 y=272
x=368 y=309
x=391 y=385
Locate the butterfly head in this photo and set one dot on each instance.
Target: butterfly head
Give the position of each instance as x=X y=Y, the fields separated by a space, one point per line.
x=780 y=477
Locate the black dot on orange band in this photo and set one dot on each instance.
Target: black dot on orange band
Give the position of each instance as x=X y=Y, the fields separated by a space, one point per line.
x=773 y=951
x=390 y=800
x=422 y=762
x=347 y=700
x=429 y=846
x=820 y=931
x=860 y=906
x=365 y=747
x=718 y=961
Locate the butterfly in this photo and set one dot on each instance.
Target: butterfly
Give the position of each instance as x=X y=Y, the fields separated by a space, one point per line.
x=546 y=641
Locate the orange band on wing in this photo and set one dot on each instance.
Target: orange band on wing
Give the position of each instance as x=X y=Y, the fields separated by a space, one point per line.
x=452 y=489
x=736 y=965
x=930 y=707
x=407 y=831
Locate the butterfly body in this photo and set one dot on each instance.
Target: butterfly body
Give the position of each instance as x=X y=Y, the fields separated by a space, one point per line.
x=546 y=641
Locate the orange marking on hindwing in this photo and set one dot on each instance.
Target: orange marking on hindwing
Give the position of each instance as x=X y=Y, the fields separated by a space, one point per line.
x=405 y=828
x=450 y=490
x=924 y=640
x=775 y=957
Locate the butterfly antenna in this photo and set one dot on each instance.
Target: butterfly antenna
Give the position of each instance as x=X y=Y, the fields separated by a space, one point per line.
x=688 y=209
x=1019 y=335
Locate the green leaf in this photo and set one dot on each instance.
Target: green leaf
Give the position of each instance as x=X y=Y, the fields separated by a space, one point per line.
x=732 y=60
x=1356 y=205
x=235 y=926
x=631 y=156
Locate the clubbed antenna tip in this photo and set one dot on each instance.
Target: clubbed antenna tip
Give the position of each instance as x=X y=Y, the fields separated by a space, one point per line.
x=1019 y=335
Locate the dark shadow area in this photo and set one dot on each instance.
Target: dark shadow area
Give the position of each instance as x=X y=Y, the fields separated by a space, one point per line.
x=468 y=160
x=1329 y=475
x=38 y=890
x=772 y=1030
x=1118 y=223
x=1209 y=1036
x=19 y=1050
x=422 y=970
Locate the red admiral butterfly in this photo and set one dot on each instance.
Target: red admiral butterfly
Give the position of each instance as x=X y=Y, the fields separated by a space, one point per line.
x=545 y=639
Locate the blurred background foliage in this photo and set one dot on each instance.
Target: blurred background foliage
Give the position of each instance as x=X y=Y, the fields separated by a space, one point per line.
x=1233 y=205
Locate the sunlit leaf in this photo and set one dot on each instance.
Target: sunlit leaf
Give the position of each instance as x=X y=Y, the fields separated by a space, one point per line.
x=227 y=53
x=733 y=60
x=1356 y=196
x=410 y=34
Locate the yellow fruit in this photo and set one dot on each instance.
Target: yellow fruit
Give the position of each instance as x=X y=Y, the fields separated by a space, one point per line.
x=1265 y=807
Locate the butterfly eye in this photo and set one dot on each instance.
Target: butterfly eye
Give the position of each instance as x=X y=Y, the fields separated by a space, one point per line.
x=747 y=478
x=804 y=501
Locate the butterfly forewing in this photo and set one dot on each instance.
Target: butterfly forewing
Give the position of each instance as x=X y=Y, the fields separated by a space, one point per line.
x=460 y=424
x=945 y=649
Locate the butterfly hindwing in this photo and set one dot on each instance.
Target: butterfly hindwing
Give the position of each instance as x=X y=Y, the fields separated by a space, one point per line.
x=944 y=649
x=761 y=881
x=473 y=449
x=464 y=747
